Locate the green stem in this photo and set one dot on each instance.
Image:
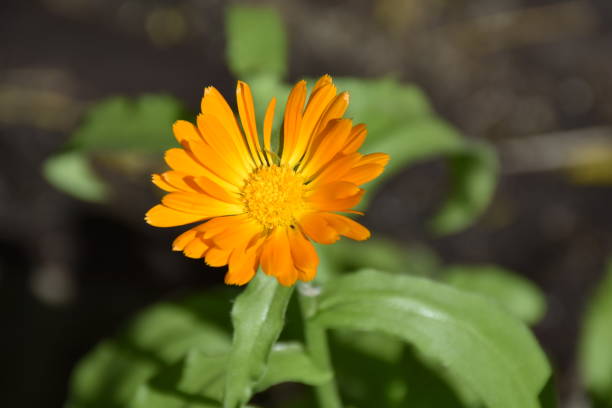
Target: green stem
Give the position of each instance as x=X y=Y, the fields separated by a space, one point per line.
x=316 y=344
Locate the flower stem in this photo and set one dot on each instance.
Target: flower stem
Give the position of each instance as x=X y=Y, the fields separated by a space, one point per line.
x=316 y=344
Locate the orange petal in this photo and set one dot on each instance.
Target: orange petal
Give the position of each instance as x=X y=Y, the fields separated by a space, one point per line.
x=201 y=204
x=216 y=136
x=162 y=216
x=182 y=240
x=246 y=110
x=293 y=119
x=183 y=162
x=336 y=169
x=304 y=255
x=362 y=174
x=355 y=139
x=185 y=132
x=196 y=248
x=317 y=104
x=242 y=266
x=335 y=110
x=217 y=257
x=161 y=183
x=336 y=196
x=347 y=227
x=214 y=104
x=375 y=158
x=318 y=229
x=332 y=140
x=276 y=258
x=267 y=129
x=213 y=189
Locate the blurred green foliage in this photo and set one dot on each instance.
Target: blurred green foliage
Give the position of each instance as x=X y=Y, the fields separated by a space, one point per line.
x=596 y=344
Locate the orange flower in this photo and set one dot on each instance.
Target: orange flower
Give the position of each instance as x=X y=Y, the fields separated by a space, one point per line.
x=263 y=208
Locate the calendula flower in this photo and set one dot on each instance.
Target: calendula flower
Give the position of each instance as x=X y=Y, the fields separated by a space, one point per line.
x=263 y=208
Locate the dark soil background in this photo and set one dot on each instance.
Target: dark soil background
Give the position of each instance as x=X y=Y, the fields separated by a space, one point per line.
x=534 y=77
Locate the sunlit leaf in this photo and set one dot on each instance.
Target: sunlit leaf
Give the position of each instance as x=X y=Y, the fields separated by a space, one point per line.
x=256 y=42
x=596 y=344
x=258 y=317
x=469 y=339
x=514 y=293
x=71 y=173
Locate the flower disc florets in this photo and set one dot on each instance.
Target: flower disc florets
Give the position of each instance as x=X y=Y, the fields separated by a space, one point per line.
x=274 y=196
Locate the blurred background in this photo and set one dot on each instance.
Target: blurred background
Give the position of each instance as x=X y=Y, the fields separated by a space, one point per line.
x=532 y=77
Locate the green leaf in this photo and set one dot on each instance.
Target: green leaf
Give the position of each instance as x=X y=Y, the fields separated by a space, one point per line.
x=472 y=341
x=289 y=362
x=514 y=293
x=119 y=123
x=595 y=345
x=158 y=337
x=195 y=382
x=71 y=173
x=258 y=317
x=474 y=175
x=256 y=42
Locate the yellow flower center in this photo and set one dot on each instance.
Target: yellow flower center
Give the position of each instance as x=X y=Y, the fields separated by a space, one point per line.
x=274 y=196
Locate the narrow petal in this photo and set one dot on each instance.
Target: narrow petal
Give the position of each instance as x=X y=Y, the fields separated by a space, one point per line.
x=243 y=265
x=162 y=216
x=201 y=204
x=210 y=187
x=293 y=119
x=335 y=169
x=185 y=132
x=332 y=140
x=184 y=239
x=181 y=161
x=267 y=129
x=317 y=104
x=217 y=257
x=214 y=104
x=347 y=227
x=246 y=111
x=318 y=229
x=276 y=258
x=362 y=174
x=233 y=153
x=335 y=110
x=355 y=139
x=163 y=184
x=304 y=255
x=196 y=248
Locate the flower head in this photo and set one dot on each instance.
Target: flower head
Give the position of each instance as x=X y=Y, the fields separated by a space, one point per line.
x=262 y=208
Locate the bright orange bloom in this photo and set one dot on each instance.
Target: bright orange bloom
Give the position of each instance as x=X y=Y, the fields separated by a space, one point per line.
x=264 y=208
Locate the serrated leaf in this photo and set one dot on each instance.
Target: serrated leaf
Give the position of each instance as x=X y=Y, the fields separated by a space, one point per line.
x=258 y=317
x=158 y=337
x=119 y=123
x=595 y=345
x=71 y=173
x=474 y=342
x=514 y=293
x=256 y=42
